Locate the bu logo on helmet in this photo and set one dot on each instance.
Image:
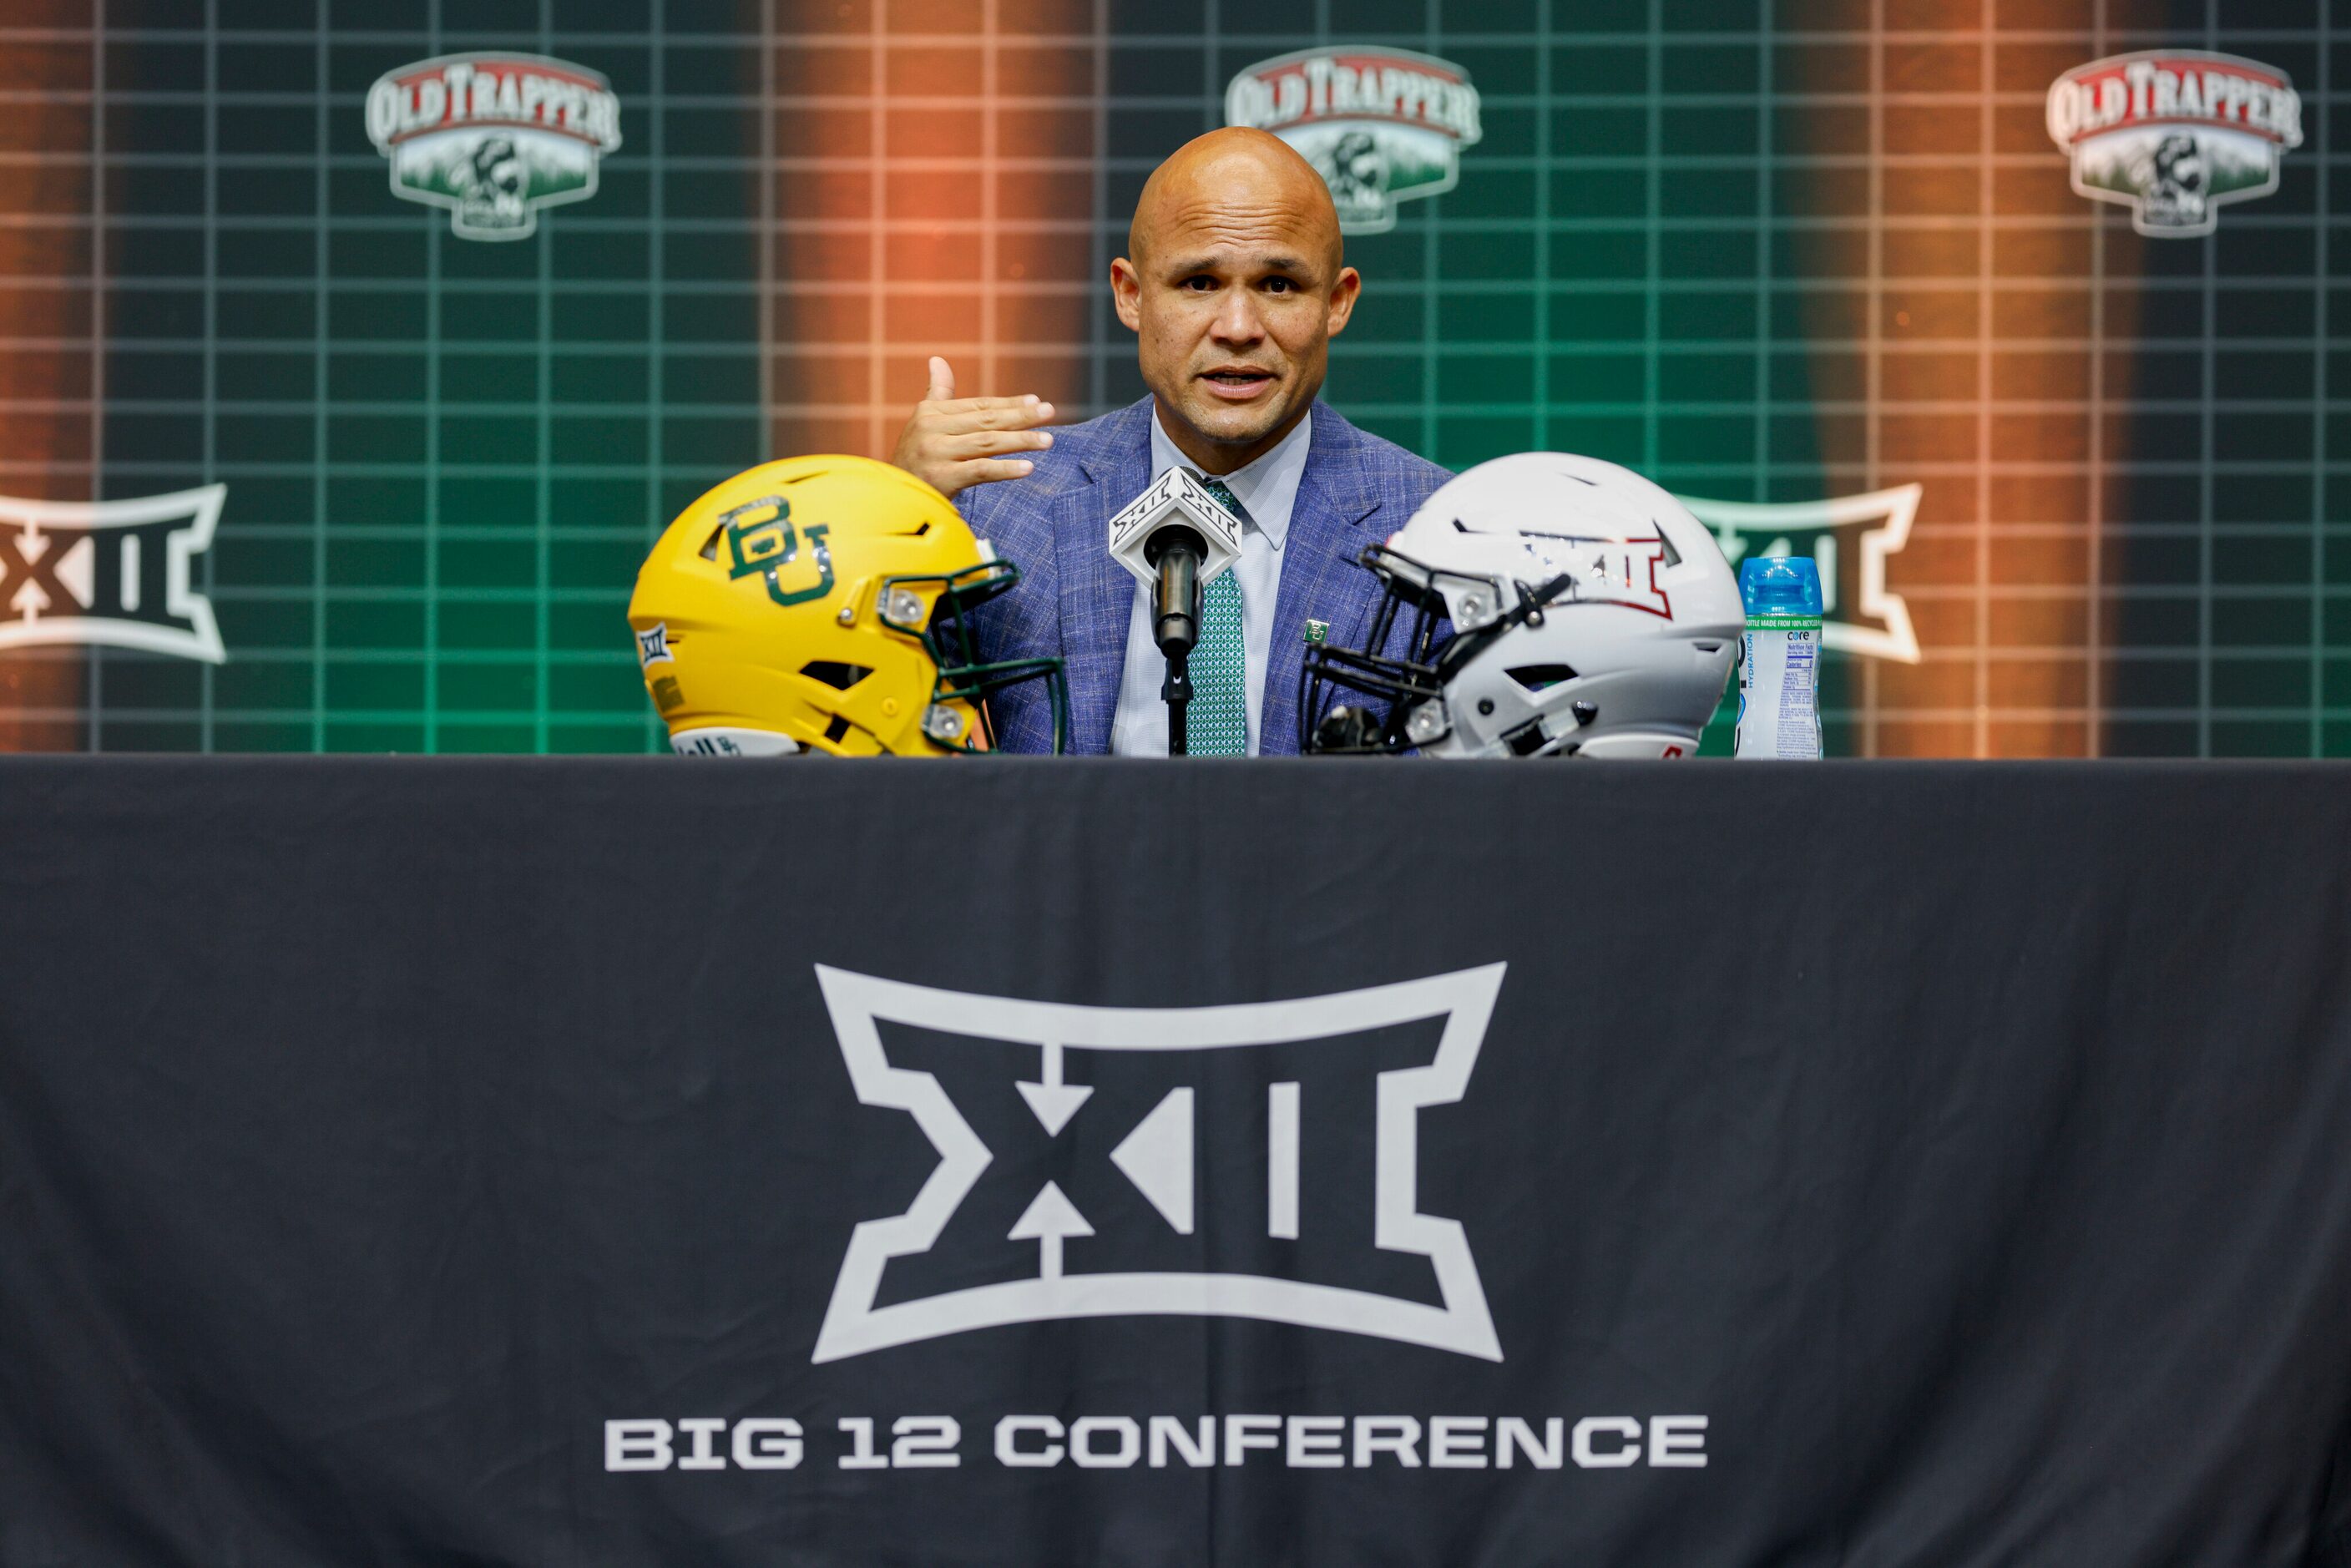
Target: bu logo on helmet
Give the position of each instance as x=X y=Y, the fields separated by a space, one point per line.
x=766 y=545
x=120 y=573
x=1239 y=1090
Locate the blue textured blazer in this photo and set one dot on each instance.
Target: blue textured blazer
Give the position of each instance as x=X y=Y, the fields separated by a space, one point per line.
x=1075 y=604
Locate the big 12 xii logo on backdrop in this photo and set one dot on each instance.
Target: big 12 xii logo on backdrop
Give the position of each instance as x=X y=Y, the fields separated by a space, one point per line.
x=492 y=137
x=119 y=573
x=1851 y=538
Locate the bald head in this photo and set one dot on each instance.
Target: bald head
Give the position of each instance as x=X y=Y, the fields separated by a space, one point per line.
x=1234 y=282
x=1237 y=173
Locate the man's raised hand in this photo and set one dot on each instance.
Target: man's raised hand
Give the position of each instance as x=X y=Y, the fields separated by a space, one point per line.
x=956 y=443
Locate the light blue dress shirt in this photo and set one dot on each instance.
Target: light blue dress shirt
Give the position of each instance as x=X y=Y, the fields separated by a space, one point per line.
x=1267 y=489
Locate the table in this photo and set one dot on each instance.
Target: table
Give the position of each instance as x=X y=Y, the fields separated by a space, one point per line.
x=614 y=1161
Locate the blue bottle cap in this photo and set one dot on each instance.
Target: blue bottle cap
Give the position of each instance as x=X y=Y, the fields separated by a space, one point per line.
x=1780 y=585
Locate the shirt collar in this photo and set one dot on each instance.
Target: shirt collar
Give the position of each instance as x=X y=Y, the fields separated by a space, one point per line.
x=1266 y=488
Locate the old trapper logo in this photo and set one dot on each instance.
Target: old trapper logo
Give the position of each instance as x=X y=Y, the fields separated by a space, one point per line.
x=1850 y=536
x=492 y=137
x=1167 y=1085
x=116 y=572
x=1382 y=125
x=2173 y=133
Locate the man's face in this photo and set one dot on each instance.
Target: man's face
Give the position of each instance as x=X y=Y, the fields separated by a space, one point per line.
x=1234 y=292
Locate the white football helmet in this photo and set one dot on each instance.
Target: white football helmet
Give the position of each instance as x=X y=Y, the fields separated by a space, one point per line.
x=1591 y=616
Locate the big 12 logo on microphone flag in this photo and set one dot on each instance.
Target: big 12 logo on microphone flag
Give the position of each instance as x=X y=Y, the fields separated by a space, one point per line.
x=2174 y=133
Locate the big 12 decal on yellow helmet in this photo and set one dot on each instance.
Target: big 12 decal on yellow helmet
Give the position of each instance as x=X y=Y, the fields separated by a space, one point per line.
x=824 y=604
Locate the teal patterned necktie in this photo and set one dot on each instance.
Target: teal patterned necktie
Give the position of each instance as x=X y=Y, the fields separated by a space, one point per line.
x=1218 y=724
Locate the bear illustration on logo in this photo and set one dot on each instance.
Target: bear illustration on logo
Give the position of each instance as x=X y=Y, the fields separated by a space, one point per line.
x=2174 y=133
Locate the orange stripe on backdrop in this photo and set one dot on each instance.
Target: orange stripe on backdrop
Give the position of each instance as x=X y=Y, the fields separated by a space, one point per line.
x=1968 y=351
x=46 y=357
x=934 y=188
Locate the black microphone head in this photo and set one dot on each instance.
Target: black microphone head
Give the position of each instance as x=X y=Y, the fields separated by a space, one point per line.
x=1174 y=536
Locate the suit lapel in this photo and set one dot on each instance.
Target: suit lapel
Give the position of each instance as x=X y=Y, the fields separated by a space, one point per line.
x=1329 y=523
x=1097 y=595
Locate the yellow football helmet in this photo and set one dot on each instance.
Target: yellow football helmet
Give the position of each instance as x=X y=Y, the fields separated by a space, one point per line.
x=822 y=604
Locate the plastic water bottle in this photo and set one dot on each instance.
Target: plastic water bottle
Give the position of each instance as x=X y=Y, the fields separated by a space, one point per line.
x=1780 y=660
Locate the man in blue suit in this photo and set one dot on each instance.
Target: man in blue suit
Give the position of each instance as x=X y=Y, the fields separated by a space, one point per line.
x=1234 y=285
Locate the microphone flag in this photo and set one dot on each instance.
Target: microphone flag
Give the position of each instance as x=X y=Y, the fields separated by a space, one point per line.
x=1175 y=499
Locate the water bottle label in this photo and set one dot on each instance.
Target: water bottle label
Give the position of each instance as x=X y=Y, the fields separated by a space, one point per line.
x=1779 y=673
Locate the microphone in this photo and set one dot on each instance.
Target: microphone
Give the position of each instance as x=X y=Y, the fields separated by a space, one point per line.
x=1177 y=554
x=1176 y=539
